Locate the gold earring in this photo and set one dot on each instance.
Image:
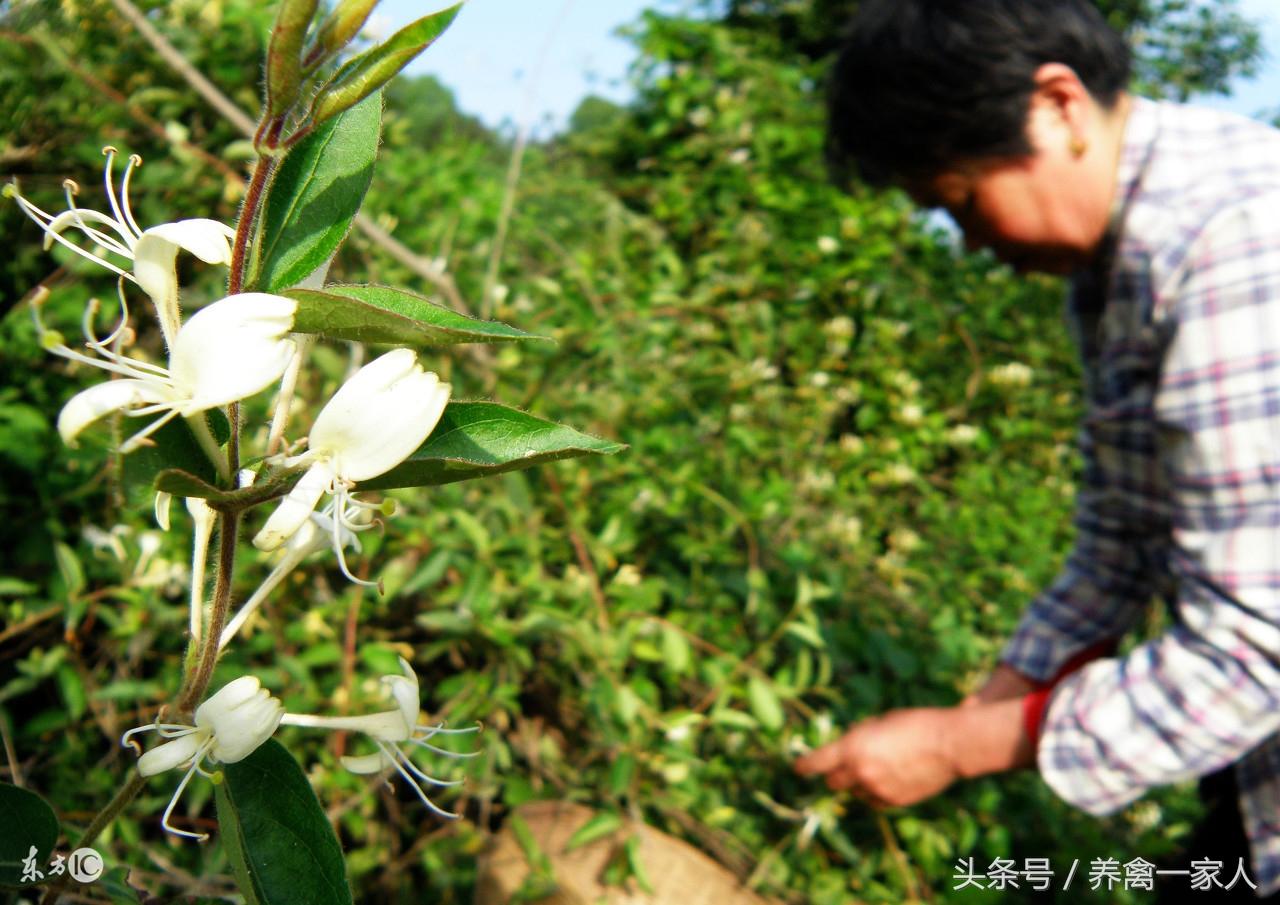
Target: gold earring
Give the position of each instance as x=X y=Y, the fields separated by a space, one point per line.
x=1078 y=147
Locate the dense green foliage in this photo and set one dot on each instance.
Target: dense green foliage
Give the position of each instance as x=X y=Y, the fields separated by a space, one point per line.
x=836 y=499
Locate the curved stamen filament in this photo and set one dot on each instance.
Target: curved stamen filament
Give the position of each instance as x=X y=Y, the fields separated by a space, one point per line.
x=430 y=747
x=115 y=363
x=408 y=777
x=70 y=189
x=31 y=210
x=134 y=162
x=137 y=439
x=177 y=793
x=111 y=152
x=91 y=312
x=425 y=777
x=441 y=730
x=341 y=490
x=166 y=730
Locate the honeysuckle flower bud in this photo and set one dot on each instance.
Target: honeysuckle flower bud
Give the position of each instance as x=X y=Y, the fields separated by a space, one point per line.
x=225 y=352
x=390 y=729
x=229 y=726
x=376 y=419
x=153 y=252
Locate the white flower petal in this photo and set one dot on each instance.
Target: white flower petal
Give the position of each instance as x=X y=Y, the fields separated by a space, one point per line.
x=232 y=349
x=171 y=754
x=89 y=405
x=366 y=763
x=241 y=716
x=386 y=726
x=200 y=512
x=295 y=508
x=163 y=502
x=404 y=690
x=226 y=699
x=78 y=215
x=379 y=416
x=208 y=240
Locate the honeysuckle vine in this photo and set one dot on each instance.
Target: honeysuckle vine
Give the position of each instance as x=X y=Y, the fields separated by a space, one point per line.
x=221 y=383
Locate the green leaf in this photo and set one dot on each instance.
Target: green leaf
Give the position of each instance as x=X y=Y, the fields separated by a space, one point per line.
x=315 y=195
x=806 y=633
x=380 y=314
x=174 y=446
x=372 y=69
x=676 y=651
x=28 y=821
x=597 y=827
x=15 y=587
x=69 y=569
x=632 y=847
x=765 y=705
x=184 y=484
x=115 y=883
x=280 y=844
x=477 y=439
x=72 y=688
x=621 y=772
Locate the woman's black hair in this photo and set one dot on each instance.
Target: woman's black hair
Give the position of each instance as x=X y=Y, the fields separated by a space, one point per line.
x=921 y=85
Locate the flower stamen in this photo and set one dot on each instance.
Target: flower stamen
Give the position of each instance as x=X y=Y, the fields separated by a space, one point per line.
x=177 y=793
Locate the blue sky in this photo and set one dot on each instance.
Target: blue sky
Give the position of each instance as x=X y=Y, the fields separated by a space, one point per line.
x=495 y=48
x=511 y=61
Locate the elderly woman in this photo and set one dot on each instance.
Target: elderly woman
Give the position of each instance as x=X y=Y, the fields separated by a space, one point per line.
x=1013 y=115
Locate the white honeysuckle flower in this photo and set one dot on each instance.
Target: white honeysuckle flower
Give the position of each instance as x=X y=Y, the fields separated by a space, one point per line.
x=373 y=423
x=231 y=349
x=153 y=252
x=229 y=726
x=316 y=534
x=390 y=729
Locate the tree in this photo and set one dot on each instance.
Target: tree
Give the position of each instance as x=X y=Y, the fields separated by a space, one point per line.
x=1181 y=47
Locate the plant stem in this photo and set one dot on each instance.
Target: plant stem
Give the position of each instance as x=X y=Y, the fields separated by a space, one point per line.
x=196 y=683
x=268 y=135
x=125 y=794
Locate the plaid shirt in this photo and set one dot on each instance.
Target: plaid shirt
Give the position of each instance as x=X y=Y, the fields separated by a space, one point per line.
x=1179 y=330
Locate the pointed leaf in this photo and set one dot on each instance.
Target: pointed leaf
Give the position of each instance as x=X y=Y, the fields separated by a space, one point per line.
x=380 y=314
x=372 y=69
x=280 y=844
x=315 y=195
x=602 y=824
x=185 y=484
x=765 y=705
x=476 y=439
x=28 y=821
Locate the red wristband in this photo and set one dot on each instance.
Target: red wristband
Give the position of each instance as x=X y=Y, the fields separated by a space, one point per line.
x=1035 y=702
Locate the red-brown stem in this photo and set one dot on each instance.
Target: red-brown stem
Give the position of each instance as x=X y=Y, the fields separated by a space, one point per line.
x=268 y=137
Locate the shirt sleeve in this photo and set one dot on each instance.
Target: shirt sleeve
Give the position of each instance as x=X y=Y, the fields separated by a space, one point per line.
x=1103 y=586
x=1205 y=692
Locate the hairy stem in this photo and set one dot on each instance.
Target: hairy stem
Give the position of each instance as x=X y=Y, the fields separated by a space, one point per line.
x=197 y=682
